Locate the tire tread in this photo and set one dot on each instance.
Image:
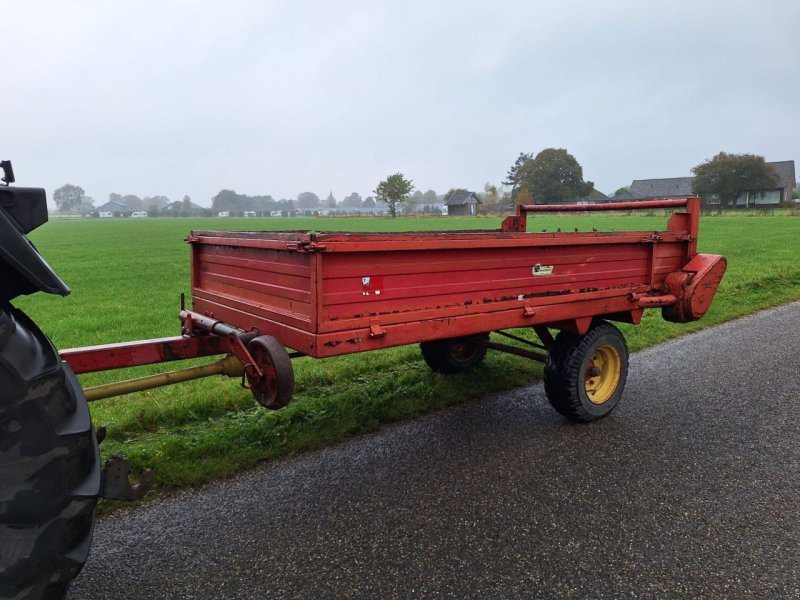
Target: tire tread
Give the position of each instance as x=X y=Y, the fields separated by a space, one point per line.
x=562 y=372
x=43 y=417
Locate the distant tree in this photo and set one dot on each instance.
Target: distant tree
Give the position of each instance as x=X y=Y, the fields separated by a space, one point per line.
x=411 y=202
x=514 y=176
x=621 y=190
x=369 y=202
x=330 y=201
x=68 y=196
x=430 y=197
x=393 y=191
x=115 y=197
x=133 y=202
x=226 y=201
x=259 y=204
x=230 y=201
x=352 y=201
x=524 y=197
x=186 y=206
x=553 y=174
x=491 y=196
x=307 y=200
x=155 y=204
x=796 y=191
x=729 y=175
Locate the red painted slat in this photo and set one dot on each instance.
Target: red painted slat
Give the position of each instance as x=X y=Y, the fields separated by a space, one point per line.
x=479 y=283
x=445 y=261
x=410 y=304
x=295 y=316
x=287 y=286
x=414 y=316
x=253 y=261
x=442 y=244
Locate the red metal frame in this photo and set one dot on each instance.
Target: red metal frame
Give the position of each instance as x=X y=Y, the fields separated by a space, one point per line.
x=144 y=352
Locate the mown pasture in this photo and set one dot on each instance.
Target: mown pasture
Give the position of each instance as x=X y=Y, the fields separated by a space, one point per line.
x=127 y=276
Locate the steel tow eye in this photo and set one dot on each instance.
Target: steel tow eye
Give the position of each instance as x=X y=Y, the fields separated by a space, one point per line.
x=116 y=485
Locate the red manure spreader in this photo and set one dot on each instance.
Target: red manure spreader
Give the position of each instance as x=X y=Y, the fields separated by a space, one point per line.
x=261 y=298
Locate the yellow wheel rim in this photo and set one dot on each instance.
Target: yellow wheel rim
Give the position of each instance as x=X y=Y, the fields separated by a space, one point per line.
x=602 y=374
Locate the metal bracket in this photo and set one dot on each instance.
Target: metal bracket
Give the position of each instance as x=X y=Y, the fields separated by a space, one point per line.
x=376 y=331
x=116 y=486
x=305 y=246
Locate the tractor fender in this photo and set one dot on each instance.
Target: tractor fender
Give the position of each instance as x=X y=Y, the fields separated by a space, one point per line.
x=22 y=269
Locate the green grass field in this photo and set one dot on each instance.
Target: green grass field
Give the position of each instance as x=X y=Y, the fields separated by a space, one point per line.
x=127 y=276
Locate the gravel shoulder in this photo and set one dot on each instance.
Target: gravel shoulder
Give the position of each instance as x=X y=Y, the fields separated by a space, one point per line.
x=691 y=488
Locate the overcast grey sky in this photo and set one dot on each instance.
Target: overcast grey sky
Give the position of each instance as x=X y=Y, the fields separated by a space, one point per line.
x=180 y=97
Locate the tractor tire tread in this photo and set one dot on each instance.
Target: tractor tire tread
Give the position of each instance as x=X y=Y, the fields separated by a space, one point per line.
x=49 y=465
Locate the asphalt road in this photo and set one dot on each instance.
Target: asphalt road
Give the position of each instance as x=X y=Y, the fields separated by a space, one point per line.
x=691 y=488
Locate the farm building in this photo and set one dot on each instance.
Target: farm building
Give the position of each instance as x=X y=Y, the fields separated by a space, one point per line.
x=462 y=204
x=594 y=197
x=679 y=187
x=177 y=208
x=782 y=194
x=670 y=187
x=114 y=207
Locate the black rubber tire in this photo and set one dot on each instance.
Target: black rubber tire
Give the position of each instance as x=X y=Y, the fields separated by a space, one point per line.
x=276 y=390
x=49 y=465
x=454 y=355
x=566 y=368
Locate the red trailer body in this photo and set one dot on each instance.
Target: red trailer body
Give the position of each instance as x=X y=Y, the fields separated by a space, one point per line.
x=326 y=294
x=337 y=293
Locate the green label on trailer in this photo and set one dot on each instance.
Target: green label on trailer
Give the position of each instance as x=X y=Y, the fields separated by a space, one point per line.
x=539 y=269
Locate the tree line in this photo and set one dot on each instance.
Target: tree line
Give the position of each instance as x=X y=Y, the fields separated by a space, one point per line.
x=551 y=176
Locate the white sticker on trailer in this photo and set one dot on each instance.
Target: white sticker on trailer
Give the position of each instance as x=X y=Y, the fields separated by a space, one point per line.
x=540 y=269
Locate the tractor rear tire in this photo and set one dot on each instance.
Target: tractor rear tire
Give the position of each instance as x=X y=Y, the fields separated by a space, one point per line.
x=454 y=355
x=585 y=374
x=49 y=465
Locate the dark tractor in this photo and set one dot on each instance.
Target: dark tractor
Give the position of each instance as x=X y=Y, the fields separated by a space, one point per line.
x=50 y=475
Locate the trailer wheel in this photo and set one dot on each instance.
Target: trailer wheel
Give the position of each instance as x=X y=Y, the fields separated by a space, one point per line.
x=585 y=374
x=49 y=465
x=454 y=355
x=276 y=388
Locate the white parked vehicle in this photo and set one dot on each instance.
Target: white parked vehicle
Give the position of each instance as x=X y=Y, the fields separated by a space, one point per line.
x=106 y=215
x=224 y=213
x=139 y=214
x=249 y=213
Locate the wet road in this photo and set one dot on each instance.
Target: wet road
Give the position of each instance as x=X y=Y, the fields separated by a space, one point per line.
x=690 y=489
